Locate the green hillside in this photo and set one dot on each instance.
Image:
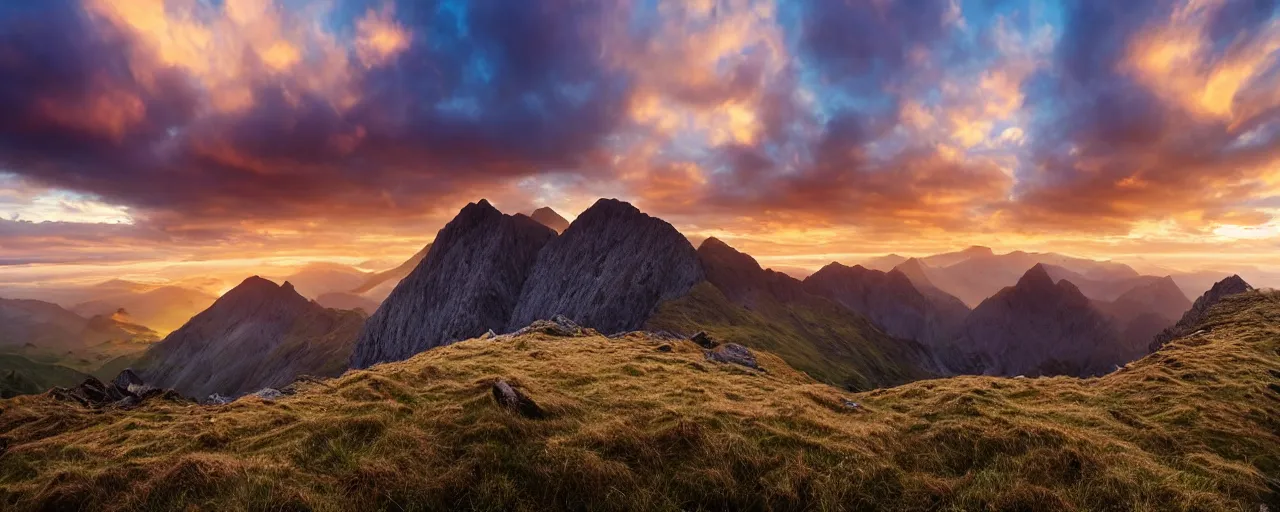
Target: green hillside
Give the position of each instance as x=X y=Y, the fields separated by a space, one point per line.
x=819 y=337
x=631 y=425
x=21 y=376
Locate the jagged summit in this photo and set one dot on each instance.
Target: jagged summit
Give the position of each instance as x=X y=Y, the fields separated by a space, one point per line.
x=1232 y=285
x=257 y=335
x=550 y=218
x=1036 y=277
x=468 y=283
x=1037 y=327
x=609 y=270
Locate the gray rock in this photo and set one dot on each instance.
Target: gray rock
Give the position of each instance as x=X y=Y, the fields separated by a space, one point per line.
x=849 y=404
x=513 y=399
x=467 y=284
x=488 y=334
x=609 y=270
x=558 y=325
x=257 y=335
x=268 y=394
x=1191 y=319
x=733 y=353
x=216 y=399
x=704 y=340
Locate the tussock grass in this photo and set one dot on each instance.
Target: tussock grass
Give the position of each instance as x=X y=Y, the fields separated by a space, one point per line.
x=1195 y=426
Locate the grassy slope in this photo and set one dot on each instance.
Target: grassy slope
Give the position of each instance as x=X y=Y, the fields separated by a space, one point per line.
x=20 y=376
x=817 y=336
x=1193 y=427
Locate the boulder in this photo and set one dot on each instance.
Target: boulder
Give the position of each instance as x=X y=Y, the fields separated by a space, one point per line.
x=733 y=353
x=513 y=399
x=704 y=340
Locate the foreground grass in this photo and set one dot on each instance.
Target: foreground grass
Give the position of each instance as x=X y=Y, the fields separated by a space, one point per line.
x=1193 y=427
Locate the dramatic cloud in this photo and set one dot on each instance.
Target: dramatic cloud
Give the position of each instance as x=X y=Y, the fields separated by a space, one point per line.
x=811 y=128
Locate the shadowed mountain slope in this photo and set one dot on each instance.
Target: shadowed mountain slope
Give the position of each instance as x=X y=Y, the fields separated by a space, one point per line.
x=467 y=284
x=256 y=335
x=1192 y=318
x=609 y=270
x=890 y=300
x=1038 y=327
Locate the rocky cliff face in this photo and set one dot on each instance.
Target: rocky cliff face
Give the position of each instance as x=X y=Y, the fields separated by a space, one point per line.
x=608 y=270
x=890 y=300
x=256 y=335
x=1038 y=327
x=549 y=218
x=1186 y=325
x=468 y=283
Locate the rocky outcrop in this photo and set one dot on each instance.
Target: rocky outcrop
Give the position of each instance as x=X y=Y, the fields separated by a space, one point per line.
x=468 y=283
x=125 y=391
x=549 y=218
x=1191 y=319
x=733 y=353
x=1038 y=327
x=257 y=335
x=609 y=270
x=890 y=300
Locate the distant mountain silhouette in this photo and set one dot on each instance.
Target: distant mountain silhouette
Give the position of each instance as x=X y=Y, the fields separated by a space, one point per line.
x=468 y=283
x=257 y=335
x=373 y=286
x=1038 y=327
x=163 y=308
x=343 y=300
x=976 y=273
x=1191 y=319
x=318 y=278
x=890 y=300
x=46 y=333
x=549 y=218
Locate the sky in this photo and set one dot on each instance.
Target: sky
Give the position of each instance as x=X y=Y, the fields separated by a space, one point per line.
x=186 y=138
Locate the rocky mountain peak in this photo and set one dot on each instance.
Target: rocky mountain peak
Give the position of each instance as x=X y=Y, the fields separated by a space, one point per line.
x=1036 y=278
x=258 y=334
x=1191 y=319
x=468 y=283
x=609 y=270
x=1038 y=327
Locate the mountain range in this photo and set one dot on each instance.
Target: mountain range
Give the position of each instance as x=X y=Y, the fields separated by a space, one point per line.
x=615 y=269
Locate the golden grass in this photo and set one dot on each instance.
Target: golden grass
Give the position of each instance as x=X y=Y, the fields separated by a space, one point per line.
x=1193 y=427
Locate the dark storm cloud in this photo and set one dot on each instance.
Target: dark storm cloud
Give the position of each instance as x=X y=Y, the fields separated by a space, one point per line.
x=483 y=91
